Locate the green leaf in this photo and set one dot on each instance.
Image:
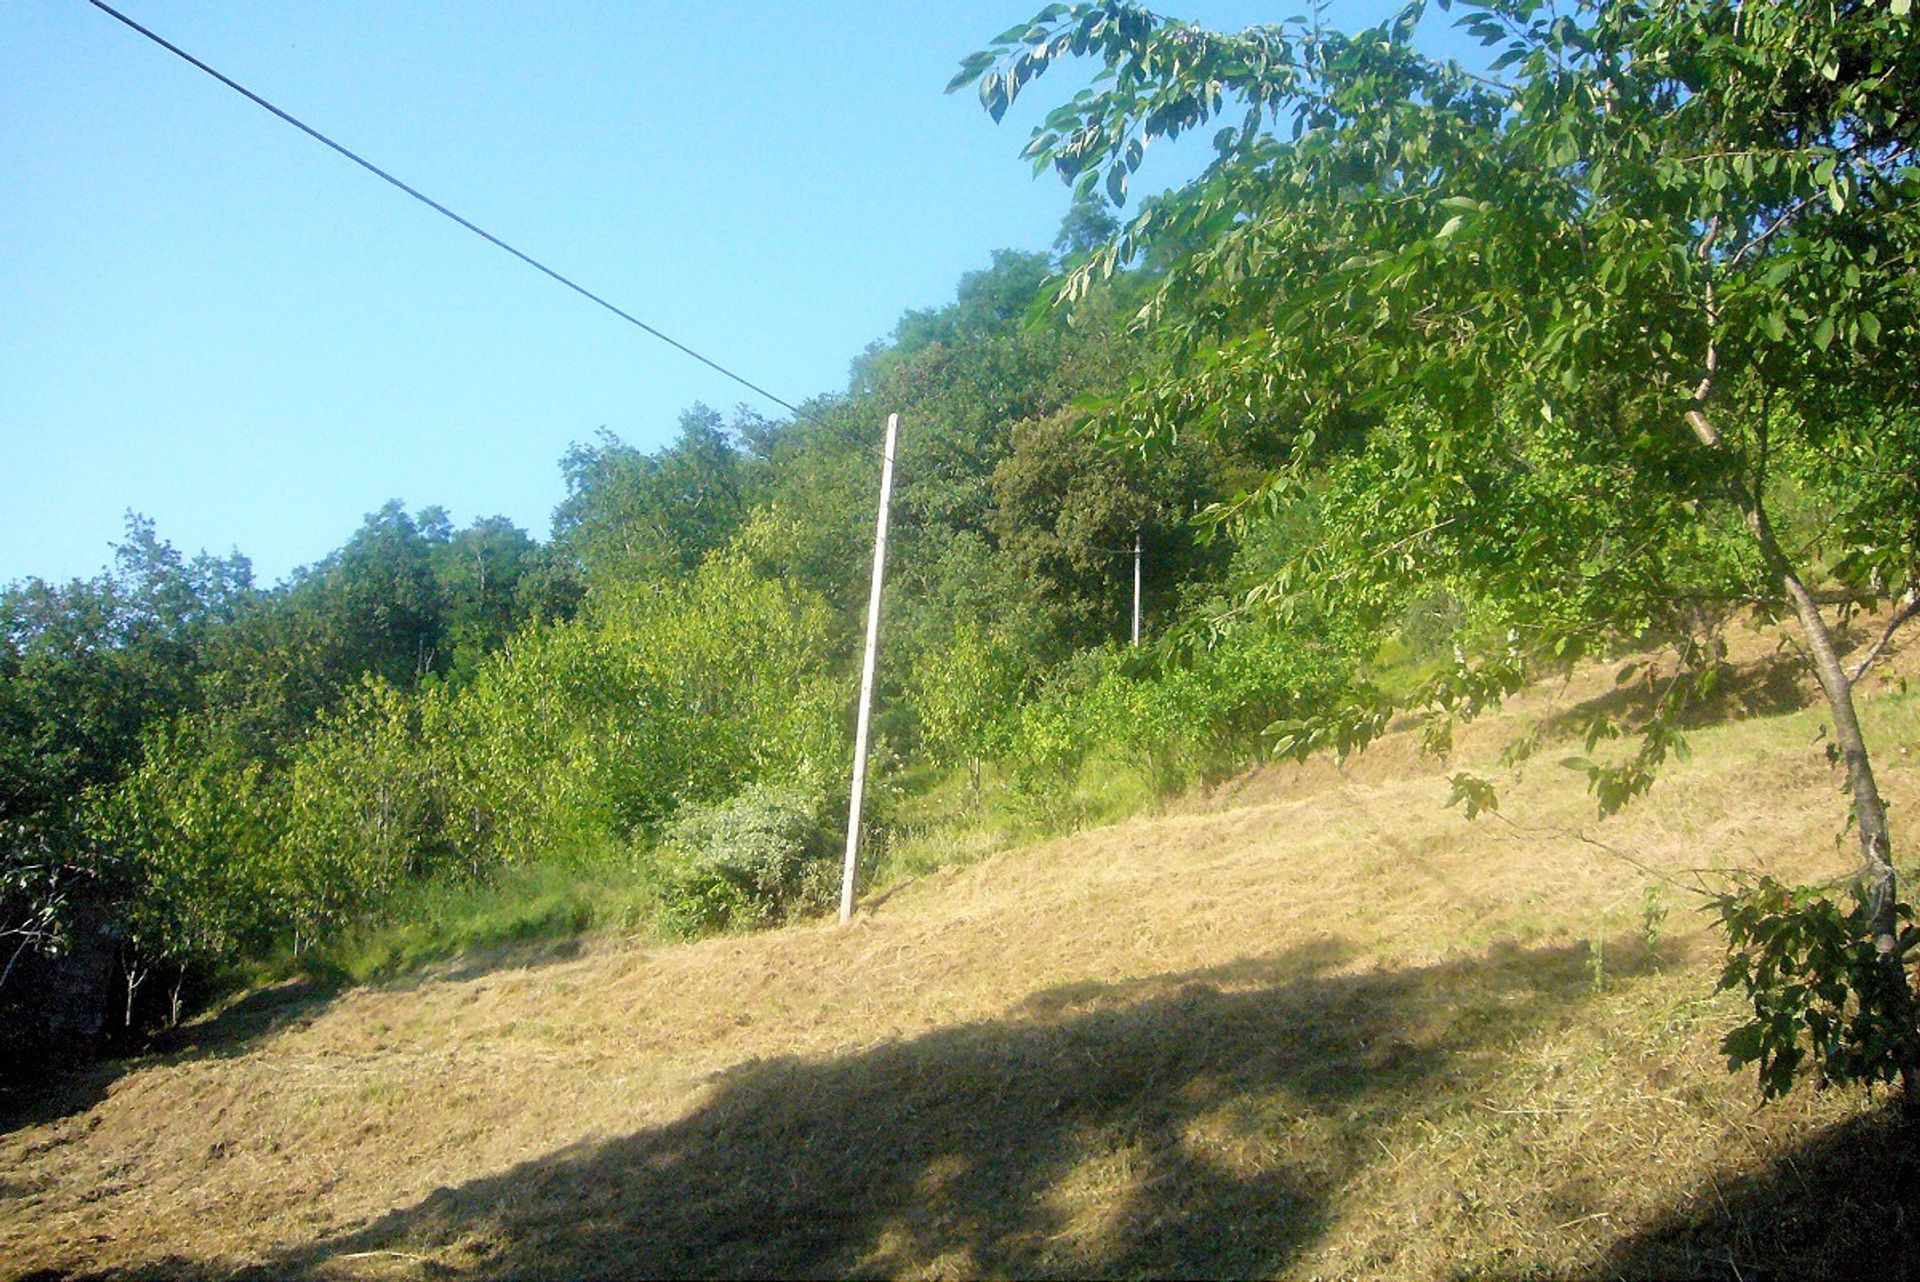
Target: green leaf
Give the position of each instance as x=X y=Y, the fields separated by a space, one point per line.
x=1823 y=333
x=970 y=67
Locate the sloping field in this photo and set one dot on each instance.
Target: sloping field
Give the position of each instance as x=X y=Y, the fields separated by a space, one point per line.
x=1314 y=1025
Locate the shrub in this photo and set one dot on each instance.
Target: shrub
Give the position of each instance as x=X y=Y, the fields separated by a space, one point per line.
x=1176 y=725
x=747 y=660
x=963 y=694
x=186 y=842
x=364 y=808
x=559 y=745
x=749 y=862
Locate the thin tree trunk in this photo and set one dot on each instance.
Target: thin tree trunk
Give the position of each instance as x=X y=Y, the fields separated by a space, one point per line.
x=136 y=976
x=1878 y=882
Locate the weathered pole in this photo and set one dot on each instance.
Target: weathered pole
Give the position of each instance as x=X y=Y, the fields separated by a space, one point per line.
x=858 y=799
x=1136 y=587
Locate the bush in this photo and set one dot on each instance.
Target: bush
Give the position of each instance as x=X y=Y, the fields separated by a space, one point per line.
x=186 y=846
x=1179 y=725
x=749 y=862
x=363 y=814
x=964 y=693
x=747 y=661
x=559 y=746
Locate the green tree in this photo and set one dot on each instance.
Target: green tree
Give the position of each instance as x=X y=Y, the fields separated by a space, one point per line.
x=1685 y=227
x=967 y=694
x=374 y=606
x=1088 y=226
x=480 y=572
x=748 y=660
x=186 y=845
x=629 y=515
x=91 y=664
x=363 y=811
x=559 y=746
x=90 y=670
x=1067 y=511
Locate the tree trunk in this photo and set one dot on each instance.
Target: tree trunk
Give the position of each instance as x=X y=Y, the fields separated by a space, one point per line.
x=136 y=976
x=1878 y=884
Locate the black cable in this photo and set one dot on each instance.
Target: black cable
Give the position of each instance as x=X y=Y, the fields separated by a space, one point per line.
x=439 y=208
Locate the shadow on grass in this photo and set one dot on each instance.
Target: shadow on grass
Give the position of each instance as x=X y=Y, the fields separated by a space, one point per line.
x=1195 y=1124
x=476 y=961
x=236 y=1026
x=1772 y=685
x=62 y=1090
x=1843 y=1205
x=67 y=1087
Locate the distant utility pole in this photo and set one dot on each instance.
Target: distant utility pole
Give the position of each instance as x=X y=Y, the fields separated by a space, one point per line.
x=866 y=674
x=1136 y=587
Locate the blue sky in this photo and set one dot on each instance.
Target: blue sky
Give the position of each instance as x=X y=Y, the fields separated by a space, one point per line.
x=210 y=319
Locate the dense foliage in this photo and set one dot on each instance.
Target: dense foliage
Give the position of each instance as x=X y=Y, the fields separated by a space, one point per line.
x=1561 y=340
x=210 y=775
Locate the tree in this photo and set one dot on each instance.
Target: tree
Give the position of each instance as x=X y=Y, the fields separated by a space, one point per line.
x=480 y=572
x=91 y=663
x=1086 y=227
x=1672 y=240
x=966 y=695
x=372 y=606
x=1067 y=512
x=630 y=516
x=89 y=671
x=989 y=303
x=184 y=843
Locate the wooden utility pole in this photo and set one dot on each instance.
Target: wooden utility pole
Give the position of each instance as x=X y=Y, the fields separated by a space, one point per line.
x=1136 y=587
x=858 y=799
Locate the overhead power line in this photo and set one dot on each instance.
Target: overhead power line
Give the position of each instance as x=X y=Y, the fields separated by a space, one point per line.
x=441 y=209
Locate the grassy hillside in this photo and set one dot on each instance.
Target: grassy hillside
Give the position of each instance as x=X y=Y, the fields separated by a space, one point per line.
x=1314 y=1024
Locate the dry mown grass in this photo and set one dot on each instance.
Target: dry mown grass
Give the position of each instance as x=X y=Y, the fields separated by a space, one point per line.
x=1314 y=1025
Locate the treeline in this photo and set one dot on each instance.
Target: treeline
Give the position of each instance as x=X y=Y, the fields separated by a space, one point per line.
x=1466 y=376
x=197 y=773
